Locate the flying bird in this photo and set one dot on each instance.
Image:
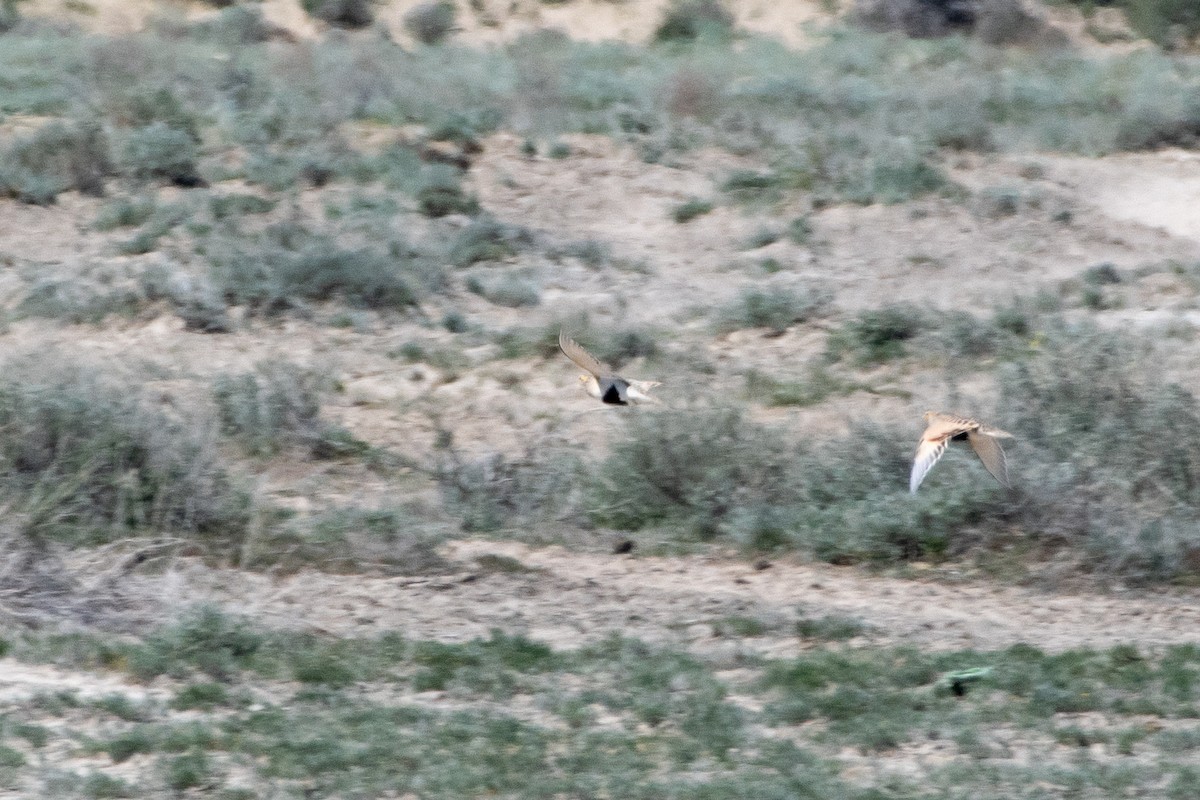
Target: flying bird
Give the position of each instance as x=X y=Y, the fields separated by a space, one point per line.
x=600 y=381
x=941 y=429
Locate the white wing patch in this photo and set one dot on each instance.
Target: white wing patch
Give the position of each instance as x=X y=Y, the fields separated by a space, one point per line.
x=928 y=453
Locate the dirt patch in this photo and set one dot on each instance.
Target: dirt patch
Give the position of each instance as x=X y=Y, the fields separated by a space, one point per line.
x=570 y=599
x=1159 y=190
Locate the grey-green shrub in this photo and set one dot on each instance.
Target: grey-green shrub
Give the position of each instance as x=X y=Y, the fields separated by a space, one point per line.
x=1111 y=452
x=687 y=20
x=342 y=13
x=279 y=406
x=158 y=151
x=289 y=263
x=85 y=460
x=441 y=193
x=56 y=158
x=876 y=336
x=430 y=23
x=487 y=239
x=774 y=309
x=498 y=491
x=690 y=209
x=697 y=468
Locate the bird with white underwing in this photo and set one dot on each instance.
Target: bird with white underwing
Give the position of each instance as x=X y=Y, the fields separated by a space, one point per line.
x=941 y=429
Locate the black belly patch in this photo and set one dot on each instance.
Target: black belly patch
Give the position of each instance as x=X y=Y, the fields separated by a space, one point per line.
x=613 y=397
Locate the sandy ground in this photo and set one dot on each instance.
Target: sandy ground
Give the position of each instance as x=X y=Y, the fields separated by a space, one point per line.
x=569 y=599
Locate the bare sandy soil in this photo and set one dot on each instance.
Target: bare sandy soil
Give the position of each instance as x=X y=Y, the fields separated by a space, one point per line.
x=569 y=599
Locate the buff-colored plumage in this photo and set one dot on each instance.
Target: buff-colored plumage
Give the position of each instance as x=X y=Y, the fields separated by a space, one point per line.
x=941 y=429
x=601 y=382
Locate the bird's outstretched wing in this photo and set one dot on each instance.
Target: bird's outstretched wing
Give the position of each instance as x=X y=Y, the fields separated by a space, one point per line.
x=988 y=448
x=582 y=358
x=928 y=453
x=938 y=433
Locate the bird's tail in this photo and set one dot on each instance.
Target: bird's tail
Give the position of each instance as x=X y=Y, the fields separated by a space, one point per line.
x=639 y=391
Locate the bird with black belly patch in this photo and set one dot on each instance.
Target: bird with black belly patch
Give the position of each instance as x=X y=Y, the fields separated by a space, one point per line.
x=601 y=382
x=941 y=429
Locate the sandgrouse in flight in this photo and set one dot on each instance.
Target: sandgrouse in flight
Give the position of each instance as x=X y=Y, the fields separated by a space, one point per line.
x=941 y=429
x=601 y=382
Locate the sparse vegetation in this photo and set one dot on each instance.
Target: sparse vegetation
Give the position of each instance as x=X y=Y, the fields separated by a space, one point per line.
x=86 y=461
x=688 y=20
x=776 y=310
x=336 y=197
x=688 y=211
x=342 y=13
x=430 y=23
x=857 y=700
x=877 y=336
x=279 y=406
x=37 y=168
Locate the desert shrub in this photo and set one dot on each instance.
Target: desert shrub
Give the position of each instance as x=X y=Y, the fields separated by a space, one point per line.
x=689 y=210
x=746 y=184
x=56 y=158
x=289 y=264
x=342 y=13
x=761 y=238
x=88 y=461
x=965 y=338
x=498 y=491
x=237 y=24
x=430 y=23
x=238 y=205
x=800 y=230
x=698 y=469
x=774 y=309
x=920 y=18
x=994 y=21
x=350 y=539
x=140 y=108
x=688 y=20
x=487 y=239
x=592 y=252
x=855 y=504
x=10 y=15
x=441 y=193
x=279 y=406
x=80 y=301
x=1114 y=452
x=615 y=345
x=877 y=336
x=815 y=385
x=895 y=179
x=205 y=640
x=510 y=291
x=124 y=212
x=158 y=151
x=1162 y=20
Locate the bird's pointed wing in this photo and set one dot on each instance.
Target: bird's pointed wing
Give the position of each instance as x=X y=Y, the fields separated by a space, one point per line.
x=928 y=453
x=582 y=358
x=991 y=454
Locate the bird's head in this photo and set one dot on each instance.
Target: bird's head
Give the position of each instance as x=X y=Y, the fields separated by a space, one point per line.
x=583 y=379
x=928 y=415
